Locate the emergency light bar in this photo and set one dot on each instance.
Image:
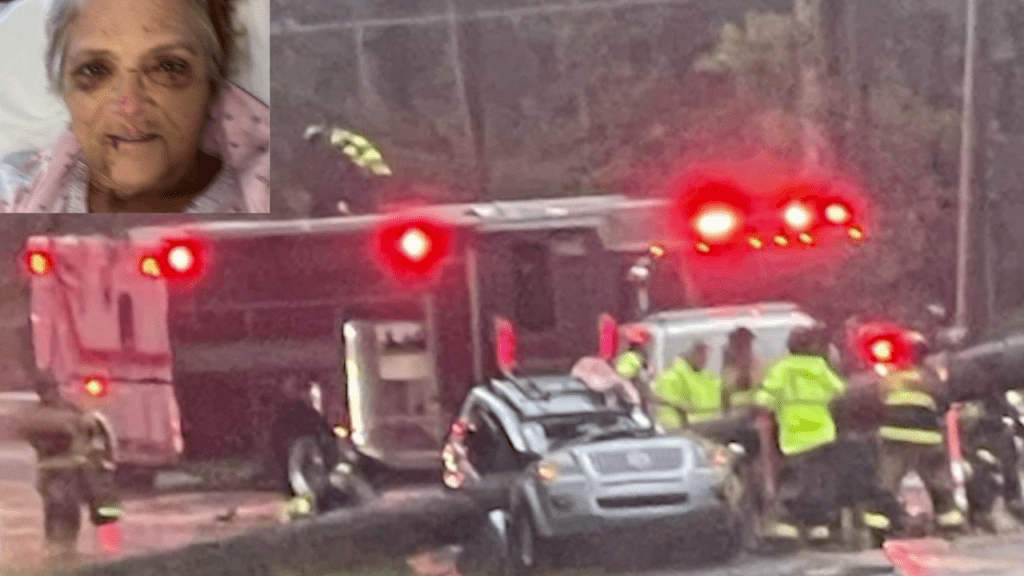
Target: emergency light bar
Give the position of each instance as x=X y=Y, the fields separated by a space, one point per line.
x=178 y=259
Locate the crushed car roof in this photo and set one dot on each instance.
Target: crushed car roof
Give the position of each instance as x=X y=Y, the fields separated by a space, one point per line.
x=546 y=396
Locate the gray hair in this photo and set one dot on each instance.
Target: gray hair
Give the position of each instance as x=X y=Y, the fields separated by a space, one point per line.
x=217 y=34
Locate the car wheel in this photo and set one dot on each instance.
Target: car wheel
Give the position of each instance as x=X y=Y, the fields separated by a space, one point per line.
x=727 y=542
x=485 y=553
x=523 y=548
x=306 y=468
x=349 y=488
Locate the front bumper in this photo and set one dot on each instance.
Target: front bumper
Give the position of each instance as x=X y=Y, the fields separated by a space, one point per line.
x=577 y=506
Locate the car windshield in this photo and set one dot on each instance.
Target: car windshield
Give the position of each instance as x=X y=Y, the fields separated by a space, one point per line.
x=581 y=428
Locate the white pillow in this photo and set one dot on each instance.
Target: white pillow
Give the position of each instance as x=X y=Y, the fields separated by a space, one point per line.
x=31 y=116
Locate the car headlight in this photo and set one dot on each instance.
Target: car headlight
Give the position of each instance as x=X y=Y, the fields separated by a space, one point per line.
x=557 y=465
x=712 y=456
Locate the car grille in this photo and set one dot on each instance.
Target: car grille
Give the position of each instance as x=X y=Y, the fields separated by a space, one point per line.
x=643 y=501
x=641 y=460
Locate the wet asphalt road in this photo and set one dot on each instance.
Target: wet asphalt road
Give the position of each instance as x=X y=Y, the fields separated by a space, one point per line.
x=171 y=520
x=149 y=524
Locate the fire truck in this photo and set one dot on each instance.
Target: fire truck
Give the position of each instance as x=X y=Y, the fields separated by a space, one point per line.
x=306 y=349
x=267 y=343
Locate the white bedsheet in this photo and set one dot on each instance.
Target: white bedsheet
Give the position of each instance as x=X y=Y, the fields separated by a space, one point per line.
x=31 y=116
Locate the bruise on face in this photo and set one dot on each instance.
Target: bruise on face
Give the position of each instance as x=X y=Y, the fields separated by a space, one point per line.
x=136 y=85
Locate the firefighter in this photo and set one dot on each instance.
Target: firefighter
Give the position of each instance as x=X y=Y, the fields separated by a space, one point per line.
x=990 y=447
x=632 y=364
x=911 y=439
x=75 y=466
x=799 y=389
x=742 y=372
x=688 y=394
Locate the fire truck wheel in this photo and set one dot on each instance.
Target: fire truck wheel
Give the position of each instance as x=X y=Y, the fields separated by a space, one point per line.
x=307 y=468
x=62 y=512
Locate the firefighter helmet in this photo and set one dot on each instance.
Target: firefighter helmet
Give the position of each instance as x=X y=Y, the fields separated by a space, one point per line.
x=807 y=340
x=741 y=334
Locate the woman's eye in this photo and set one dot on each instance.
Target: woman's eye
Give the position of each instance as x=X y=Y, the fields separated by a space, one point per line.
x=171 y=72
x=173 y=66
x=92 y=70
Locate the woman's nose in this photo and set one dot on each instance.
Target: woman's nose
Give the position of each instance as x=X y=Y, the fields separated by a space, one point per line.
x=130 y=94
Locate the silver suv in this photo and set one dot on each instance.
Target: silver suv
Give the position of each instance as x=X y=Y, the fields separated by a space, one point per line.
x=548 y=458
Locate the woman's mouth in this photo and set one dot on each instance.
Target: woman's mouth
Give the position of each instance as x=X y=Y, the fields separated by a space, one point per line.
x=117 y=141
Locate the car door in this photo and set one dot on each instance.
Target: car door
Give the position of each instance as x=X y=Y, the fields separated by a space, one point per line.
x=492 y=455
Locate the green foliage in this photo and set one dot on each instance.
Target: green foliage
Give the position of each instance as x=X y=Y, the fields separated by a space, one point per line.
x=900 y=146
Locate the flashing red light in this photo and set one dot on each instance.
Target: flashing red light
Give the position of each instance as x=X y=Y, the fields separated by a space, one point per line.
x=608 y=340
x=415 y=244
x=95 y=386
x=39 y=263
x=889 y=348
x=798 y=216
x=716 y=222
x=413 y=248
x=179 y=259
x=882 y=350
x=838 y=213
x=505 y=345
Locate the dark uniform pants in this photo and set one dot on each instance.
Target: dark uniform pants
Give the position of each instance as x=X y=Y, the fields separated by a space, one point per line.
x=982 y=488
x=808 y=487
x=931 y=463
x=60 y=490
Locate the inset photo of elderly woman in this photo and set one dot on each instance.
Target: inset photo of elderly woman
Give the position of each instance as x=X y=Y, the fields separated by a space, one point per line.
x=134 y=106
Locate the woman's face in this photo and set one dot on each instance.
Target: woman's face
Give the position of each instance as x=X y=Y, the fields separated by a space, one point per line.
x=136 y=86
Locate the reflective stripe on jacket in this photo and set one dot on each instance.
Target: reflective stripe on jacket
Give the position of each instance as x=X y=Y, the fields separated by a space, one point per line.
x=912 y=415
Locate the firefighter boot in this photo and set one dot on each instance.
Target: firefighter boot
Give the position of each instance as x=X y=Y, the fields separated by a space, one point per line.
x=98 y=473
x=883 y=518
x=950 y=522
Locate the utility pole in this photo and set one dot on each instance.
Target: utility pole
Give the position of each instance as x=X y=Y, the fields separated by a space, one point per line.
x=810 y=57
x=966 y=166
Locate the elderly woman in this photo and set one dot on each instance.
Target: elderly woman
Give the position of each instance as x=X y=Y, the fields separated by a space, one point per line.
x=155 y=125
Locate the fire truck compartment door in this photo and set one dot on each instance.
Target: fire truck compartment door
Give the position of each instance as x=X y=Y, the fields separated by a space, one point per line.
x=393 y=392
